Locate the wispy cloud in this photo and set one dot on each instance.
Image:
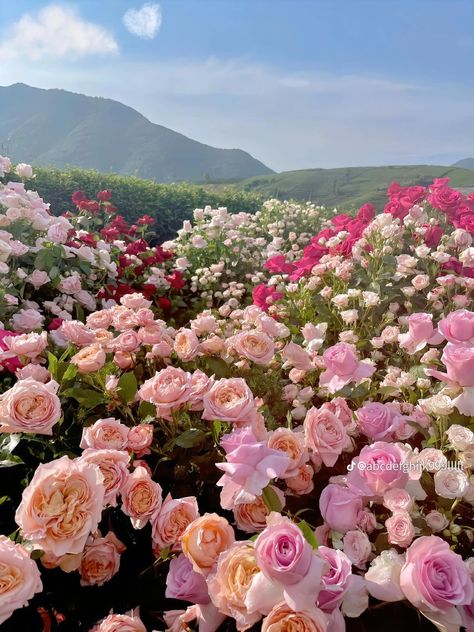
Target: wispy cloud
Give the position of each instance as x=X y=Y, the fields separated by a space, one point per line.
x=144 y=22
x=55 y=32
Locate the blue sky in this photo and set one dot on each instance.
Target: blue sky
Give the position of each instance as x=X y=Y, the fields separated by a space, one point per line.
x=298 y=83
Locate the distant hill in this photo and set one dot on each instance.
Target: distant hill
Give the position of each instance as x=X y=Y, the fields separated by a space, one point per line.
x=59 y=128
x=466 y=163
x=352 y=186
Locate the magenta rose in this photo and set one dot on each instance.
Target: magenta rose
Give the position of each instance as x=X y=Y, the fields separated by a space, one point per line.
x=340 y=507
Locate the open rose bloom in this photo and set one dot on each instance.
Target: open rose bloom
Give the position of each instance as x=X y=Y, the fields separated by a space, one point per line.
x=266 y=421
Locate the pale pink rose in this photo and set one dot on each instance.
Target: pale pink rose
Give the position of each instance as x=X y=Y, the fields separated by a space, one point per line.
x=151 y=333
x=451 y=483
x=89 y=359
x=378 y=421
x=301 y=482
x=230 y=400
x=383 y=576
x=70 y=284
x=61 y=486
x=34 y=371
x=135 y=301
x=130 y=622
x=185 y=584
x=27 y=320
x=105 y=434
x=5 y=165
x=338 y=406
x=292 y=443
x=255 y=346
x=335 y=580
x=252 y=517
x=105 y=339
x=123 y=318
x=366 y=520
x=297 y=357
x=212 y=345
x=76 y=332
x=204 y=324
x=20 y=578
x=458 y=327
x=282 y=619
x=460 y=437
x=123 y=360
x=397 y=499
x=420 y=333
x=436 y=521
x=141 y=497
x=205 y=539
x=400 y=529
x=379 y=467
x=30 y=406
x=325 y=434
x=144 y=317
x=127 y=341
x=297 y=375
x=207 y=617
x=161 y=350
x=229 y=585
x=100 y=559
x=111 y=383
x=200 y=384
x=428 y=559
x=186 y=344
x=38 y=278
x=169 y=389
x=23 y=170
x=99 y=320
x=140 y=439
x=343 y=367
x=113 y=465
x=169 y=524
x=357 y=547
x=340 y=507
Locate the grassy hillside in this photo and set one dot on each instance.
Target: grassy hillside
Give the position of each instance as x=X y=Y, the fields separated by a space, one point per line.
x=348 y=187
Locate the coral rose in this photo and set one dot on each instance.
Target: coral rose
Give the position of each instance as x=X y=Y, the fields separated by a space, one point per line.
x=205 y=539
x=30 y=406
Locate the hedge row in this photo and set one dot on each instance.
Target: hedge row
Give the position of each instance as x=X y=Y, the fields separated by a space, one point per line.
x=169 y=204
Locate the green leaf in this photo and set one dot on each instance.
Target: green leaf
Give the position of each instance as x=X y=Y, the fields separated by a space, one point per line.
x=44 y=260
x=85 y=396
x=52 y=364
x=70 y=373
x=308 y=533
x=271 y=500
x=190 y=438
x=218 y=367
x=146 y=409
x=127 y=387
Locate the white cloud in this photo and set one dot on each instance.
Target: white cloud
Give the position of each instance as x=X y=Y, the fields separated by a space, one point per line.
x=144 y=22
x=55 y=32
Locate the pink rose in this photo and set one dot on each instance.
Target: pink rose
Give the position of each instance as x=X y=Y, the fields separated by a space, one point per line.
x=400 y=529
x=398 y=500
x=378 y=421
x=169 y=389
x=169 y=524
x=28 y=345
x=108 y=434
x=182 y=582
x=340 y=507
x=27 y=320
x=292 y=444
x=113 y=465
x=204 y=324
x=35 y=371
x=254 y=345
x=230 y=400
x=140 y=439
x=141 y=497
x=127 y=341
x=135 y=301
x=342 y=367
x=100 y=559
x=301 y=482
x=297 y=357
x=31 y=407
x=434 y=578
x=20 y=578
x=420 y=333
x=252 y=517
x=436 y=521
x=89 y=359
x=335 y=580
x=339 y=407
x=383 y=576
x=120 y=623
x=459 y=362
x=123 y=318
x=325 y=434
x=379 y=467
x=59 y=487
x=357 y=547
x=101 y=319
x=186 y=344
x=458 y=327
x=200 y=384
x=76 y=332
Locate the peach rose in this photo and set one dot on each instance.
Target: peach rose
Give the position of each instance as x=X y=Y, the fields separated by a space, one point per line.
x=101 y=319
x=141 y=497
x=30 y=406
x=325 y=434
x=255 y=345
x=129 y=622
x=169 y=389
x=100 y=559
x=228 y=587
x=61 y=505
x=140 y=439
x=27 y=345
x=169 y=524
x=301 y=482
x=283 y=619
x=205 y=539
x=123 y=318
x=105 y=434
x=89 y=359
x=252 y=517
x=292 y=444
x=230 y=400
x=19 y=578
x=186 y=344
x=113 y=465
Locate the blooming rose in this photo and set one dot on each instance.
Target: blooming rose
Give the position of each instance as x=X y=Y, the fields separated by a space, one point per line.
x=383 y=576
x=451 y=483
x=340 y=507
x=357 y=547
x=141 y=497
x=458 y=327
x=204 y=539
x=113 y=465
x=100 y=559
x=378 y=467
x=342 y=367
x=182 y=582
x=27 y=320
x=325 y=434
x=460 y=437
x=378 y=421
x=398 y=500
x=89 y=359
x=106 y=433
x=140 y=439
x=76 y=332
x=30 y=406
x=127 y=341
x=102 y=319
x=252 y=517
x=302 y=482
x=20 y=578
x=436 y=521
x=61 y=488
x=335 y=580
x=120 y=623
x=169 y=389
x=186 y=344
x=284 y=619
x=434 y=578
x=254 y=345
x=459 y=363
x=28 y=345
x=134 y=301
x=400 y=529
x=229 y=400
x=420 y=333
x=229 y=585
x=35 y=371
x=169 y=524
x=23 y=170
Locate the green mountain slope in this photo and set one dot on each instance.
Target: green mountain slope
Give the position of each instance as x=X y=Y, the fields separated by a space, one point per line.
x=59 y=128
x=351 y=186
x=466 y=163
